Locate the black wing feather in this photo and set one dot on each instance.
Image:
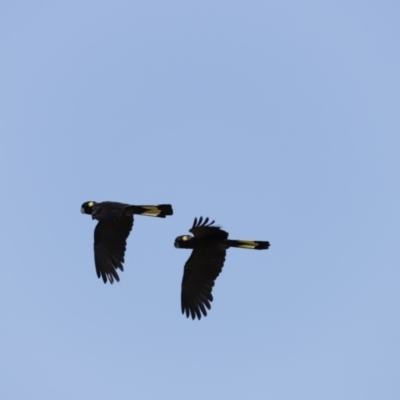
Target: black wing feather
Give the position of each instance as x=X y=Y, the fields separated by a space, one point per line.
x=203 y=228
x=200 y=272
x=109 y=247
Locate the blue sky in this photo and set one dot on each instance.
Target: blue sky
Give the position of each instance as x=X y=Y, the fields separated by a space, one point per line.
x=280 y=120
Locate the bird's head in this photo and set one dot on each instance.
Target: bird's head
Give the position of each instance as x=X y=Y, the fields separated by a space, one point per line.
x=87 y=208
x=184 y=242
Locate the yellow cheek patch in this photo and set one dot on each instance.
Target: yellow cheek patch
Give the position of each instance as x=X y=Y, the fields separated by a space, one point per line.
x=90 y=204
x=184 y=238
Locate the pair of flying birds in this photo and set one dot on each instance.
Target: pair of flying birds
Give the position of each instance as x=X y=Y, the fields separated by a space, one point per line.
x=209 y=245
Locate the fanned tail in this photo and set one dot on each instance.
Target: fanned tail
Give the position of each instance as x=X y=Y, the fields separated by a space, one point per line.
x=248 y=244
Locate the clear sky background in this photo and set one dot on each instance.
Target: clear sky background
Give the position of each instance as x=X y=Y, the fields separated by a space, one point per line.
x=278 y=119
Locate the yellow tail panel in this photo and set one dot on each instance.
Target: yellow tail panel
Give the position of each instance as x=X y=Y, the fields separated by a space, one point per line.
x=151 y=211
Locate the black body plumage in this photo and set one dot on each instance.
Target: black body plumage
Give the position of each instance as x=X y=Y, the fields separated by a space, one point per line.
x=112 y=230
x=209 y=244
